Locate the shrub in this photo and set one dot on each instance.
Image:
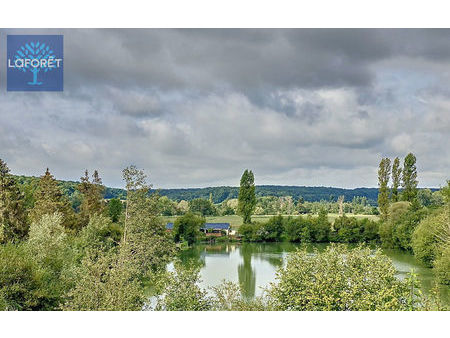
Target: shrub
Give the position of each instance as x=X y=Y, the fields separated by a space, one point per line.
x=347 y=230
x=22 y=282
x=273 y=229
x=228 y=297
x=321 y=227
x=187 y=227
x=442 y=266
x=396 y=210
x=370 y=230
x=404 y=227
x=341 y=279
x=252 y=232
x=424 y=241
x=181 y=291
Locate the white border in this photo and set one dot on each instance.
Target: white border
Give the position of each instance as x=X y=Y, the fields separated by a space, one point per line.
x=223 y=13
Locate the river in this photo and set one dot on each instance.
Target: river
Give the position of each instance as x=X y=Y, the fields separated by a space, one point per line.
x=253 y=265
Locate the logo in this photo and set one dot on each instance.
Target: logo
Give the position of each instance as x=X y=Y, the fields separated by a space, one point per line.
x=35 y=63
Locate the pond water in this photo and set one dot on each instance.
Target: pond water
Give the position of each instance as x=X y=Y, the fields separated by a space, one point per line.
x=253 y=265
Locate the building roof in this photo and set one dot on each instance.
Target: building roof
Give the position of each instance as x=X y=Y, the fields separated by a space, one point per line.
x=222 y=226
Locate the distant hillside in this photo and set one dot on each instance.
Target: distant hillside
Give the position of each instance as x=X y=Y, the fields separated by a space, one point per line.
x=310 y=194
x=219 y=194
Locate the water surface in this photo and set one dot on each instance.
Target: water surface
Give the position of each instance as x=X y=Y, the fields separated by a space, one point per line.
x=253 y=265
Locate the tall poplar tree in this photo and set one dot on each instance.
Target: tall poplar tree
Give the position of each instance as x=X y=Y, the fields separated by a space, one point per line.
x=13 y=217
x=396 y=179
x=409 y=178
x=49 y=198
x=247 y=198
x=384 y=171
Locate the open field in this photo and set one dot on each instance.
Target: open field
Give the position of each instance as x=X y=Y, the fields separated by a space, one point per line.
x=236 y=220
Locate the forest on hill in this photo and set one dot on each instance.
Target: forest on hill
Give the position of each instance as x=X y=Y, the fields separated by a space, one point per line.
x=220 y=194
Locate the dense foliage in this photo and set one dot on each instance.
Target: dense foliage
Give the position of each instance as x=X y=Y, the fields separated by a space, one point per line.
x=187 y=228
x=307 y=229
x=246 y=198
x=340 y=279
x=62 y=246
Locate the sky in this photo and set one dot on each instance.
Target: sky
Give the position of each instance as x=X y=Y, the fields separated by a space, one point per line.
x=195 y=108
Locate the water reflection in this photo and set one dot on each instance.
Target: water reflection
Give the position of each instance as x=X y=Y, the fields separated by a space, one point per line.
x=247 y=276
x=254 y=265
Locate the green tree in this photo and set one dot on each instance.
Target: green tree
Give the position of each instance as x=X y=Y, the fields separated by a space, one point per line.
x=322 y=227
x=247 y=198
x=106 y=281
x=425 y=197
x=409 y=179
x=49 y=198
x=13 y=217
x=384 y=171
x=202 y=206
x=396 y=179
x=187 y=227
x=115 y=209
x=144 y=231
x=92 y=196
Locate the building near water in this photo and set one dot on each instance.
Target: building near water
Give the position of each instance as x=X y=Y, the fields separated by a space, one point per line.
x=210 y=229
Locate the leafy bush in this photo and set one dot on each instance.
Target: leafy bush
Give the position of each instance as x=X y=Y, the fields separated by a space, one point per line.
x=181 y=291
x=187 y=227
x=396 y=210
x=298 y=229
x=228 y=297
x=321 y=227
x=442 y=266
x=273 y=229
x=22 y=281
x=341 y=279
x=424 y=241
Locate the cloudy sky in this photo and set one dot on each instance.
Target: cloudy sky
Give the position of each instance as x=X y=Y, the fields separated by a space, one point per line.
x=197 y=107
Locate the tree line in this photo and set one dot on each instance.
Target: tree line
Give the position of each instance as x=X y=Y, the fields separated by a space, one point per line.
x=105 y=256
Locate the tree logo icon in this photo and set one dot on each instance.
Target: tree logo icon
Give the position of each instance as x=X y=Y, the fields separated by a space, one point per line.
x=35 y=63
x=38 y=52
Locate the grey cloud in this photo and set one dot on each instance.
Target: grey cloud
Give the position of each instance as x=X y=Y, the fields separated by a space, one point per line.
x=196 y=107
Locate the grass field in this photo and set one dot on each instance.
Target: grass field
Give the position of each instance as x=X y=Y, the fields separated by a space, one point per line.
x=236 y=220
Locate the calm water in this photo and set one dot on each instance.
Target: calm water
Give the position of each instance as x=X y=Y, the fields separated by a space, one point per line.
x=253 y=265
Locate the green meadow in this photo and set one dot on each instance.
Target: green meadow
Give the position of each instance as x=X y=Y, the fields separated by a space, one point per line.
x=236 y=220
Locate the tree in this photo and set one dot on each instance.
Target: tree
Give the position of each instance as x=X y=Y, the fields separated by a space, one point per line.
x=396 y=179
x=106 y=281
x=49 y=199
x=322 y=227
x=383 y=180
x=202 y=206
x=187 y=227
x=341 y=205
x=144 y=232
x=247 y=198
x=92 y=196
x=409 y=178
x=13 y=217
x=114 y=209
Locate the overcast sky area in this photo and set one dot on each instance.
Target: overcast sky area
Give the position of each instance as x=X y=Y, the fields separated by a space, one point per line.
x=194 y=108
